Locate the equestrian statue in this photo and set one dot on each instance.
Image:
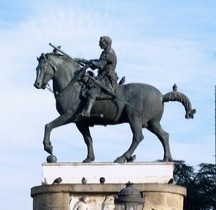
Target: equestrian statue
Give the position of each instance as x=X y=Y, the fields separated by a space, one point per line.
x=87 y=100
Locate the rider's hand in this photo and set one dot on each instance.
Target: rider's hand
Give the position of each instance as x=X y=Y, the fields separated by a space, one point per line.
x=81 y=61
x=90 y=64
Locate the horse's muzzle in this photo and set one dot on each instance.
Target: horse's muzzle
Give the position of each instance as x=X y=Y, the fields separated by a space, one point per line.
x=36 y=85
x=39 y=85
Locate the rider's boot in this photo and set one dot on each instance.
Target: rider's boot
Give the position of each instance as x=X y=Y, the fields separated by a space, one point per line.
x=86 y=111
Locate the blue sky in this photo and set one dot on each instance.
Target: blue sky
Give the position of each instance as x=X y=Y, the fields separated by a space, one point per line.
x=160 y=42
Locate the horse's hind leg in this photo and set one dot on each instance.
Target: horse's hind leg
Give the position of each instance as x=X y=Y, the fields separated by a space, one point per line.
x=84 y=129
x=155 y=127
x=136 y=127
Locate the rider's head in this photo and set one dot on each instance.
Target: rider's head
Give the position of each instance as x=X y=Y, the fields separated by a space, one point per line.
x=105 y=41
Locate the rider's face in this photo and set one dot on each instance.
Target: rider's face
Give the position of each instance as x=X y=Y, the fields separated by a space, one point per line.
x=102 y=44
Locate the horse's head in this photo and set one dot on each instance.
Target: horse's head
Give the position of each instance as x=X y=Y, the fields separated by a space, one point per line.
x=45 y=71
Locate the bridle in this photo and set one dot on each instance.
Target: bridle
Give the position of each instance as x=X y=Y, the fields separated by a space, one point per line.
x=46 y=65
x=73 y=80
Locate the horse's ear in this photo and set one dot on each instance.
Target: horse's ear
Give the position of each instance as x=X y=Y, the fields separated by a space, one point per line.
x=38 y=59
x=43 y=55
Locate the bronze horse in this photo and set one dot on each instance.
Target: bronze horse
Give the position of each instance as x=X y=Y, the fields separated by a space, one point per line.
x=142 y=105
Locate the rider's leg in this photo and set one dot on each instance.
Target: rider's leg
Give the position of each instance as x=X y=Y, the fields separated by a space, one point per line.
x=92 y=94
x=86 y=111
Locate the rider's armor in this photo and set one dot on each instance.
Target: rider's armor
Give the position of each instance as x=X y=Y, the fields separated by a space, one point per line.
x=107 y=77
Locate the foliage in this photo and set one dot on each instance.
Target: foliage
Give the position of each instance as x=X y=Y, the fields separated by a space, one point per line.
x=200 y=184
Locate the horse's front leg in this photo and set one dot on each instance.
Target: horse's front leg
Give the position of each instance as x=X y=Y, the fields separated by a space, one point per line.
x=61 y=120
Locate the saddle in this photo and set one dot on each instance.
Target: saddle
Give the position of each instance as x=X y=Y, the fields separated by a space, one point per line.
x=104 y=87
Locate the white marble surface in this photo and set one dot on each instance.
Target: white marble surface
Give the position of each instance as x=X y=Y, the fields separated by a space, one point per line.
x=140 y=172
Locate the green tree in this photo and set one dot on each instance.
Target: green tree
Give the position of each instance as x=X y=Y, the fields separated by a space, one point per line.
x=201 y=185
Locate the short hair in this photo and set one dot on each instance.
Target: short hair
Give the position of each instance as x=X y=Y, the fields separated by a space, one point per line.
x=106 y=39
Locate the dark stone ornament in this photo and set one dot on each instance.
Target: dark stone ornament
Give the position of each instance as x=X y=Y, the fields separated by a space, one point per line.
x=102 y=180
x=51 y=159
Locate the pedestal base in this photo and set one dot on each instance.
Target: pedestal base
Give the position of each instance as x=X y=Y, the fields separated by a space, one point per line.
x=101 y=196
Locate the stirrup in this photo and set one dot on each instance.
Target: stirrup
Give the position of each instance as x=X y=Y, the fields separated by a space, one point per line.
x=85 y=114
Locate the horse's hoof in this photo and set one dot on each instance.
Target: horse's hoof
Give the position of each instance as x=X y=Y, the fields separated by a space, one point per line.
x=48 y=148
x=167 y=160
x=121 y=159
x=131 y=159
x=88 y=160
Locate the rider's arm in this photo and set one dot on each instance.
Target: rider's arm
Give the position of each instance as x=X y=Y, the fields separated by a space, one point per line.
x=97 y=64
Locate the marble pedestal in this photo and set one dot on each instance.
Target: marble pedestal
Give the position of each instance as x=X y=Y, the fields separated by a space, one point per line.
x=141 y=172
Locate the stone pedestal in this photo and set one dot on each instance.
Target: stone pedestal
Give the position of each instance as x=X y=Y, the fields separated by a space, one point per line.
x=72 y=194
x=101 y=196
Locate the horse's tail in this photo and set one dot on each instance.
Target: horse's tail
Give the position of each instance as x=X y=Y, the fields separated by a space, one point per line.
x=180 y=97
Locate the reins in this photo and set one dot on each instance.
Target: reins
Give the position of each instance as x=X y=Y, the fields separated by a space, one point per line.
x=49 y=88
x=80 y=73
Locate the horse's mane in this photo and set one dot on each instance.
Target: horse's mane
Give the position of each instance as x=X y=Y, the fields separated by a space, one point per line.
x=58 y=56
x=62 y=59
